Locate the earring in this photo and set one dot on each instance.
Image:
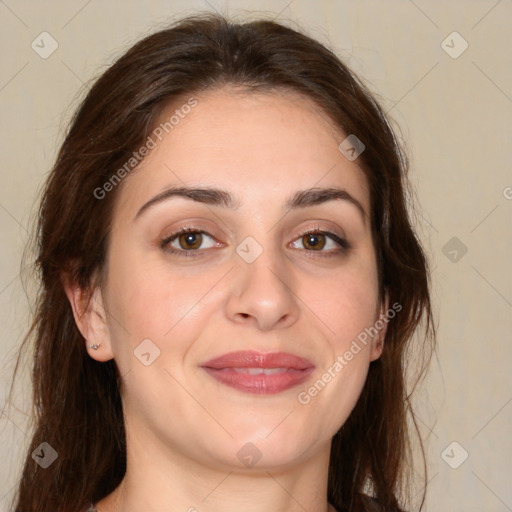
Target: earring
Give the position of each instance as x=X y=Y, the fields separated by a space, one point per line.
x=94 y=347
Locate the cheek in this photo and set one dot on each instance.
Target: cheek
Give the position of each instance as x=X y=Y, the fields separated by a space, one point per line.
x=347 y=310
x=149 y=300
x=347 y=303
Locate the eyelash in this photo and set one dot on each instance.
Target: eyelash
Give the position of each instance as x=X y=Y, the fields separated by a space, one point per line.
x=345 y=246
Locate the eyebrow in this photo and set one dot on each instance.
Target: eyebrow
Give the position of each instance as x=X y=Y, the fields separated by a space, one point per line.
x=223 y=198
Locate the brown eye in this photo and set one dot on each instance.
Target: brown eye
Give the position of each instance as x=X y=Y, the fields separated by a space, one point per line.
x=189 y=241
x=314 y=241
x=323 y=242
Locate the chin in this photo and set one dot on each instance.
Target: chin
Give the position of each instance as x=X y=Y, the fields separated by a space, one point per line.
x=264 y=449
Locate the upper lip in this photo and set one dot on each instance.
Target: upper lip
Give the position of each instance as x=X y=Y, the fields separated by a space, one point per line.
x=254 y=359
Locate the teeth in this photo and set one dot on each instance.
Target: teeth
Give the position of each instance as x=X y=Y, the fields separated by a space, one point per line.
x=257 y=371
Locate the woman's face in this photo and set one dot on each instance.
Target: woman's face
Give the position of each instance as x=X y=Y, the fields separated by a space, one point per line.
x=246 y=278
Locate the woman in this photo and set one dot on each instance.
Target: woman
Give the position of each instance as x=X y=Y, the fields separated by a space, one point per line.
x=230 y=282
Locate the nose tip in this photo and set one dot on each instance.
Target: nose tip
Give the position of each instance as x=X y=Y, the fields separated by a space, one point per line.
x=259 y=294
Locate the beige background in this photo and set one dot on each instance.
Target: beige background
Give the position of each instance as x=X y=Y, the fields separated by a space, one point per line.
x=455 y=116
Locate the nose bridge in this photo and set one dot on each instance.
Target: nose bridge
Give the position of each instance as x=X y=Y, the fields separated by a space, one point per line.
x=261 y=288
x=267 y=271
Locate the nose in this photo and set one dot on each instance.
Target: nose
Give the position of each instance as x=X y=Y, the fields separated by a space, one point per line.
x=262 y=294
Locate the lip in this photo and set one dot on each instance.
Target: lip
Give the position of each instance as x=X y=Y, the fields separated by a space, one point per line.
x=232 y=370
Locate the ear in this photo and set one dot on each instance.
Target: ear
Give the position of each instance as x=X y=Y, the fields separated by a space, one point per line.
x=91 y=319
x=381 y=324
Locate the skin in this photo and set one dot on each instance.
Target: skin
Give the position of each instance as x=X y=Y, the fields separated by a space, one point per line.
x=184 y=429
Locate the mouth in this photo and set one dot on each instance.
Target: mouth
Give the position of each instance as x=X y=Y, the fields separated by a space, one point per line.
x=258 y=373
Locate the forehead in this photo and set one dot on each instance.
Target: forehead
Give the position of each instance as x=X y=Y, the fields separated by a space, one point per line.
x=264 y=145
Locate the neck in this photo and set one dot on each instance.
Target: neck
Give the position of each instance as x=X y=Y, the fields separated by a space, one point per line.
x=159 y=481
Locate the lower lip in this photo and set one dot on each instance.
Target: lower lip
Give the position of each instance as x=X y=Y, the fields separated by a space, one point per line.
x=260 y=384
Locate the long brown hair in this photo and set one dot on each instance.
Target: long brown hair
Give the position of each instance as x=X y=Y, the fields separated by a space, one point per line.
x=77 y=406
